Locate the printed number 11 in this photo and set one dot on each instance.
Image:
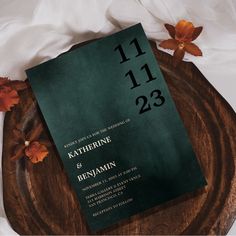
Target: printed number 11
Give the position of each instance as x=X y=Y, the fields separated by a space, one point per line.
x=132 y=77
x=122 y=53
x=155 y=94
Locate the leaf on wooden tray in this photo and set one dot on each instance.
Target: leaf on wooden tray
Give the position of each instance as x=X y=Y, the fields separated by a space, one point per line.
x=29 y=144
x=36 y=151
x=18 y=85
x=9 y=96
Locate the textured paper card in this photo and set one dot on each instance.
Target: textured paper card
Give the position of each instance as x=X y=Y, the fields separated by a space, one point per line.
x=116 y=128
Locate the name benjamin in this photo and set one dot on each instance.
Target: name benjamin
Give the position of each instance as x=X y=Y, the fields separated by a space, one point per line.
x=89 y=147
x=94 y=172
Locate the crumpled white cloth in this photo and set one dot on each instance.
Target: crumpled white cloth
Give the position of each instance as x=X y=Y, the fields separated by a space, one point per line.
x=33 y=31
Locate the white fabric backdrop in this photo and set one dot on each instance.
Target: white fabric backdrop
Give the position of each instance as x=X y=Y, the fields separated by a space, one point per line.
x=33 y=31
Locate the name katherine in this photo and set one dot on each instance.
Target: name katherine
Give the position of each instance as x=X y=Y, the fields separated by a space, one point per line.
x=89 y=147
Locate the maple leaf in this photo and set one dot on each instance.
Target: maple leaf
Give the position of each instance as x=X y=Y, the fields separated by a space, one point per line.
x=4 y=81
x=182 y=36
x=14 y=84
x=8 y=93
x=8 y=98
x=27 y=144
x=36 y=151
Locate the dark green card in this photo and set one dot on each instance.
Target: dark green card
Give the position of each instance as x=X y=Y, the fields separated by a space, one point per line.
x=116 y=128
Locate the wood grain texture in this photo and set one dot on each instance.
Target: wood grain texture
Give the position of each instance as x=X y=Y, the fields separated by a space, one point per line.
x=39 y=200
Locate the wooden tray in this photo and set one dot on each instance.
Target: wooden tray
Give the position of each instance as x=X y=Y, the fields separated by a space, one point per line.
x=39 y=200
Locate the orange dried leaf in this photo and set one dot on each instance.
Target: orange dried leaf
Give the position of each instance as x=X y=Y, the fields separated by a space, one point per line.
x=4 y=80
x=14 y=84
x=197 y=31
x=18 y=85
x=178 y=56
x=184 y=31
x=171 y=30
x=36 y=152
x=169 y=44
x=8 y=98
x=193 y=49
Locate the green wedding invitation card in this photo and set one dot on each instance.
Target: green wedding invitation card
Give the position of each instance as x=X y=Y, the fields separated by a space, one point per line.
x=116 y=127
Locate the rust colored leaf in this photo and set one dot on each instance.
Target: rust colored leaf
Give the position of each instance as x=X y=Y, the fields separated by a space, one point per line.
x=4 y=80
x=178 y=55
x=18 y=85
x=36 y=152
x=197 y=31
x=14 y=84
x=184 y=31
x=171 y=30
x=8 y=98
x=169 y=44
x=193 y=49
x=28 y=144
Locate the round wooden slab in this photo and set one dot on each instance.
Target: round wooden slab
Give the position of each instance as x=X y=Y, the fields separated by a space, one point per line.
x=39 y=200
